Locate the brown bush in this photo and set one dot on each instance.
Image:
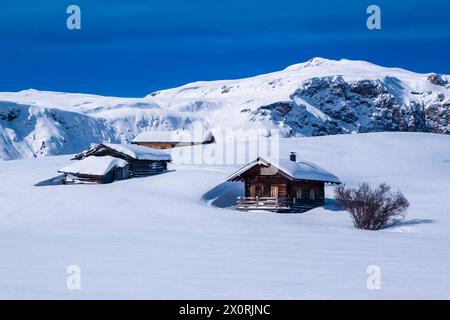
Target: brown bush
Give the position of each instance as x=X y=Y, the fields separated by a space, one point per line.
x=371 y=209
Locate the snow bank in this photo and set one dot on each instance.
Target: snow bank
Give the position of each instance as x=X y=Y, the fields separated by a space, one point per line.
x=156 y=238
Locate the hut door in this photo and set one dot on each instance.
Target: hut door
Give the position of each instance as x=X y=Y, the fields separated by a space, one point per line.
x=259 y=190
x=256 y=190
x=252 y=190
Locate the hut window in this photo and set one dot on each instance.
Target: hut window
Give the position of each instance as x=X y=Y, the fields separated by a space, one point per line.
x=312 y=193
x=298 y=192
x=305 y=193
x=274 y=191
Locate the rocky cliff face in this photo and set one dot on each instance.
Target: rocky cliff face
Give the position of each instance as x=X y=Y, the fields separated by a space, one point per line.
x=331 y=105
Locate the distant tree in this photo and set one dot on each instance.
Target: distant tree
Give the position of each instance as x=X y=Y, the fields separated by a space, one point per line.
x=371 y=209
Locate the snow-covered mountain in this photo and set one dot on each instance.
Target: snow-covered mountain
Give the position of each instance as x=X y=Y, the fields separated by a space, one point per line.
x=317 y=97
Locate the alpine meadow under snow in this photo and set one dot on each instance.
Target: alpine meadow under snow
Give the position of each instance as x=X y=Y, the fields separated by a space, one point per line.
x=177 y=235
x=174 y=235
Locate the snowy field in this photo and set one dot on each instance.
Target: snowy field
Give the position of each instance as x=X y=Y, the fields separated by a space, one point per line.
x=162 y=237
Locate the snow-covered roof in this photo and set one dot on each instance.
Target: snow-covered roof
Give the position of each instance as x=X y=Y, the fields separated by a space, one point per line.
x=173 y=136
x=299 y=170
x=94 y=166
x=140 y=152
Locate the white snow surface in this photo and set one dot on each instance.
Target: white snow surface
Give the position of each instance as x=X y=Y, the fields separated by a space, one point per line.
x=95 y=166
x=172 y=236
x=306 y=170
x=140 y=152
x=300 y=170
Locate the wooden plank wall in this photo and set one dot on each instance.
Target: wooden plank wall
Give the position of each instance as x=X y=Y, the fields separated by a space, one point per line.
x=286 y=187
x=140 y=168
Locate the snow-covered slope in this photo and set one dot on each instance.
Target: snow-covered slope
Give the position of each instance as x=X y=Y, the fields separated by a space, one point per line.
x=171 y=236
x=318 y=97
x=27 y=131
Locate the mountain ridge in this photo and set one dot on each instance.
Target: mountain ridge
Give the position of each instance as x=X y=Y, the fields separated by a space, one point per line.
x=316 y=97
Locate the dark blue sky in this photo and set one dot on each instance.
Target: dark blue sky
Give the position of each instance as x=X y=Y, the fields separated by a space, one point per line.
x=130 y=48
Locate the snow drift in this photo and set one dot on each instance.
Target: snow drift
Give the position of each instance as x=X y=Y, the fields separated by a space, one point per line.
x=170 y=236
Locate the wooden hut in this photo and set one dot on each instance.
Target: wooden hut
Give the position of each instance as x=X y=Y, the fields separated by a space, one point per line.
x=172 y=139
x=282 y=186
x=142 y=161
x=95 y=170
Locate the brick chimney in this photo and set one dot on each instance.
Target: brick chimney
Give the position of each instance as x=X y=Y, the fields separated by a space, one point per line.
x=293 y=157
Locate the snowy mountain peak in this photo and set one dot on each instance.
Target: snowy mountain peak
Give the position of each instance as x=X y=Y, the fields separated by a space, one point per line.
x=317 y=97
x=314 y=62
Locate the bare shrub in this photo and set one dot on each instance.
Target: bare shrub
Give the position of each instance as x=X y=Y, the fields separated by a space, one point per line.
x=371 y=209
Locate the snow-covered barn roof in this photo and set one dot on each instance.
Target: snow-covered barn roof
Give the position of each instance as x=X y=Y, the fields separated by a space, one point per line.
x=295 y=170
x=140 y=152
x=128 y=151
x=173 y=136
x=94 y=166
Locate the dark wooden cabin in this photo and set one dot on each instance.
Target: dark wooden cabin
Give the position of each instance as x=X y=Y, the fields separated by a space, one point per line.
x=142 y=161
x=172 y=139
x=287 y=186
